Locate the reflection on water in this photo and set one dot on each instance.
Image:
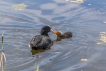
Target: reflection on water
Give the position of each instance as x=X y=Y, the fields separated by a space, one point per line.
x=18 y=7
x=76 y=1
x=41 y=50
x=58 y=39
x=104 y=22
x=102 y=38
x=85 y=20
x=38 y=51
x=84 y=59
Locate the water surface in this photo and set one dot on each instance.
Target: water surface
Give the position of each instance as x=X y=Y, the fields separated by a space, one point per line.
x=85 y=20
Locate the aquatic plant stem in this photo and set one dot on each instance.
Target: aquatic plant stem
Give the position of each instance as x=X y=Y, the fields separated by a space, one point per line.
x=2 y=40
x=37 y=69
x=3 y=58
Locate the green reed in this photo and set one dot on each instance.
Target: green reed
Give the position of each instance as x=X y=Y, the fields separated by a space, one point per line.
x=2 y=40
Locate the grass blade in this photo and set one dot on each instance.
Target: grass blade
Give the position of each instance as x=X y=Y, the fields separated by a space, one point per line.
x=4 y=57
x=1 y=60
x=37 y=69
x=3 y=40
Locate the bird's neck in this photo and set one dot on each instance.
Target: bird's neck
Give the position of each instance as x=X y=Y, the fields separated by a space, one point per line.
x=46 y=34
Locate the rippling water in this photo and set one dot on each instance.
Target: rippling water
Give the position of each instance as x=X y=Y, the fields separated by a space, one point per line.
x=20 y=20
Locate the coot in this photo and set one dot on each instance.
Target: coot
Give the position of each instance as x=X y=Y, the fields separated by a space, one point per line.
x=61 y=35
x=41 y=41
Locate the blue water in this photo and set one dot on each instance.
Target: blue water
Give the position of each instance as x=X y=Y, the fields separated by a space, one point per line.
x=87 y=22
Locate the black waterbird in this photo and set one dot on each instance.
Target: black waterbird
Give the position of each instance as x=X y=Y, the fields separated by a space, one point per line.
x=42 y=41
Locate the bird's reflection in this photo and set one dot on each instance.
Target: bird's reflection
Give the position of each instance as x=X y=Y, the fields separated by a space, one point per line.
x=36 y=51
x=57 y=39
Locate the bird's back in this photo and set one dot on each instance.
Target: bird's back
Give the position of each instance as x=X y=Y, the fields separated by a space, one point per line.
x=40 y=42
x=67 y=34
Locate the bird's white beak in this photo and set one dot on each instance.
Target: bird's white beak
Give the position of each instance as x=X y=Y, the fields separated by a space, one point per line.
x=52 y=30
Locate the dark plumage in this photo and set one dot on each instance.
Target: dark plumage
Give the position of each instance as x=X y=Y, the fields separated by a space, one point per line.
x=67 y=34
x=60 y=35
x=42 y=41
